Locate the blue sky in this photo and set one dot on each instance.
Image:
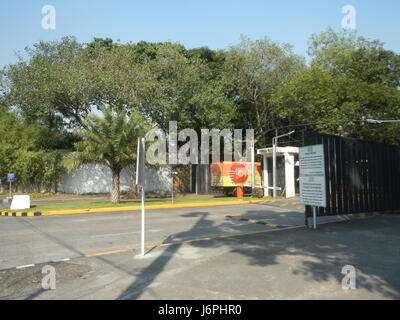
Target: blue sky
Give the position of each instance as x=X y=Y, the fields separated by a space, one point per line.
x=216 y=24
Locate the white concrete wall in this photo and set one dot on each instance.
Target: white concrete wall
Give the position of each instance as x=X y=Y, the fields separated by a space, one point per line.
x=97 y=178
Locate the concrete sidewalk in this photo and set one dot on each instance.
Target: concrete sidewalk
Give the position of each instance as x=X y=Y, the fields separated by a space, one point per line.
x=288 y=264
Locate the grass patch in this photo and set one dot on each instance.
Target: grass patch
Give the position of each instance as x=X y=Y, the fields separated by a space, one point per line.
x=107 y=204
x=33 y=196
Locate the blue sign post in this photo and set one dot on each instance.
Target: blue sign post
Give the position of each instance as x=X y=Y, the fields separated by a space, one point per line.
x=10 y=179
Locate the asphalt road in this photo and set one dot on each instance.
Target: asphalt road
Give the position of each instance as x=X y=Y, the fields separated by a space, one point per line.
x=32 y=240
x=255 y=251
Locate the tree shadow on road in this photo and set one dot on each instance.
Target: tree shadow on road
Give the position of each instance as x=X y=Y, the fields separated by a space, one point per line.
x=147 y=276
x=320 y=254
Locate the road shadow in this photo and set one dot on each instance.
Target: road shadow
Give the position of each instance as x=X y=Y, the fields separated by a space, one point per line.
x=370 y=245
x=148 y=274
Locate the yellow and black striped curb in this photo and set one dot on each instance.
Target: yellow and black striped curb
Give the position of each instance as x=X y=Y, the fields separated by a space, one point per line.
x=20 y=214
x=134 y=208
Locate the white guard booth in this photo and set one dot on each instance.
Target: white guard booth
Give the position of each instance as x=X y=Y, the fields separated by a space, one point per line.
x=289 y=156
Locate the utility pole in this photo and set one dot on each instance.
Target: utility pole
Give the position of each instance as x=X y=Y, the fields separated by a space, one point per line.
x=274 y=146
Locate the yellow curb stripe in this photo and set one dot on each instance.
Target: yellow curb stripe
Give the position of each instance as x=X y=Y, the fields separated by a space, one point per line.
x=149 y=207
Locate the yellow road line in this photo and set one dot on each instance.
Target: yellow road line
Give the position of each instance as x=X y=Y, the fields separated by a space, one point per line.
x=193 y=240
x=238 y=218
x=210 y=238
x=18 y=234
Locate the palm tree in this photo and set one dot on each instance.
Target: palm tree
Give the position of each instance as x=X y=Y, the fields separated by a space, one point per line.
x=110 y=140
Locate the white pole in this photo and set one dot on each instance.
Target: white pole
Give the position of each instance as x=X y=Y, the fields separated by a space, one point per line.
x=314 y=217
x=142 y=220
x=253 y=181
x=274 y=167
x=265 y=176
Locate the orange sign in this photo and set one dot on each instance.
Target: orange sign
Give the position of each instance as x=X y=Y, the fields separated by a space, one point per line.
x=230 y=174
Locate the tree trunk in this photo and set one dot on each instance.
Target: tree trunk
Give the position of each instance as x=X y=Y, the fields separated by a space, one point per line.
x=115 y=194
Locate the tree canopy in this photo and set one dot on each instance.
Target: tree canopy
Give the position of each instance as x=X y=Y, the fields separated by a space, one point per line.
x=350 y=79
x=48 y=97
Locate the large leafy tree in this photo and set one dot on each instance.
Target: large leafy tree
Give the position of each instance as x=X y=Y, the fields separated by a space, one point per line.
x=253 y=70
x=181 y=86
x=50 y=86
x=114 y=75
x=350 y=79
x=356 y=57
x=110 y=140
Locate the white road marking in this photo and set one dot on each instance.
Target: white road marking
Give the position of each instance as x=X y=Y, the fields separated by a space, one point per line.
x=25 y=266
x=60 y=260
x=121 y=234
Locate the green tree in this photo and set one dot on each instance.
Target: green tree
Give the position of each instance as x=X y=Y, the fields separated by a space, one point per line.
x=350 y=79
x=182 y=87
x=27 y=150
x=253 y=70
x=110 y=140
x=51 y=85
x=356 y=57
x=114 y=77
